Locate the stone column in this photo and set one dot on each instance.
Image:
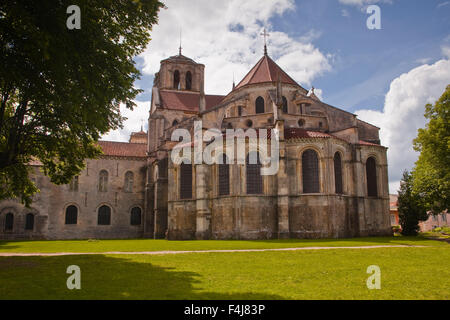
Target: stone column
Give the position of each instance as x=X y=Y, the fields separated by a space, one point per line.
x=203 y=212
x=282 y=186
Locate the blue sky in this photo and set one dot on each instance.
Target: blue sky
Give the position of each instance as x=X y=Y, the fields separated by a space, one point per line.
x=384 y=76
x=413 y=32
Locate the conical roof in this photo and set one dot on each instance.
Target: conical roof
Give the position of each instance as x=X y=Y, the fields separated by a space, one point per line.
x=266 y=70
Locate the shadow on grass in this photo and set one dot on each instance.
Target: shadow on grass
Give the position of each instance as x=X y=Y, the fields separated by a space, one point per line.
x=105 y=277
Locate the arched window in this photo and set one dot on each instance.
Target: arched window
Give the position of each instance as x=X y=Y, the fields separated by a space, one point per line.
x=259 y=105
x=71 y=215
x=29 y=221
x=9 y=221
x=338 y=173
x=371 y=176
x=188 y=80
x=253 y=174
x=185 y=181
x=73 y=186
x=103 y=181
x=310 y=172
x=285 y=105
x=240 y=111
x=129 y=177
x=104 y=216
x=135 y=217
x=174 y=123
x=224 y=177
x=176 y=79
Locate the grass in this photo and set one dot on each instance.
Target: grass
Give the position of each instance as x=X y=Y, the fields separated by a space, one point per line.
x=139 y=245
x=406 y=273
x=441 y=233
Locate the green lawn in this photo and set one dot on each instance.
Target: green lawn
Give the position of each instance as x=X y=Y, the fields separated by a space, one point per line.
x=163 y=245
x=406 y=273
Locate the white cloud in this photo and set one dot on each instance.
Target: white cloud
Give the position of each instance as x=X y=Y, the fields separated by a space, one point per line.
x=403 y=114
x=446 y=51
x=443 y=4
x=345 y=13
x=225 y=36
x=135 y=119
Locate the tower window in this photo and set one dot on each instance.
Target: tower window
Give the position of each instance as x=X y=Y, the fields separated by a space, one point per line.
x=239 y=111
x=371 y=176
x=176 y=80
x=259 y=105
x=188 y=80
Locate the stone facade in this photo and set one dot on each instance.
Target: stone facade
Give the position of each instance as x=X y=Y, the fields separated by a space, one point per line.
x=342 y=205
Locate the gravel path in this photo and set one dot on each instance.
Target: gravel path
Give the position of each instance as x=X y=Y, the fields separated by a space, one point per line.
x=37 y=254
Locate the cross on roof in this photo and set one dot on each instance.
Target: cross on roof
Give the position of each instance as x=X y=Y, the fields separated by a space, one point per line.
x=265 y=35
x=180 y=44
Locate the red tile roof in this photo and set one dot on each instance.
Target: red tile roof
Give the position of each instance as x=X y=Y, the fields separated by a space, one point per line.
x=293 y=133
x=187 y=101
x=365 y=143
x=266 y=70
x=123 y=149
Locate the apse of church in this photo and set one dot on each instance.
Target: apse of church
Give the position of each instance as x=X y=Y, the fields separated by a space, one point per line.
x=332 y=178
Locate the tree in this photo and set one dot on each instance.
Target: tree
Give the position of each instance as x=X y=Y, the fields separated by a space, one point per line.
x=431 y=175
x=60 y=89
x=410 y=209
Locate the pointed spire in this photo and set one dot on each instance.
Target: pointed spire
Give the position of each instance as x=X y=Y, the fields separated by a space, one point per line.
x=234 y=84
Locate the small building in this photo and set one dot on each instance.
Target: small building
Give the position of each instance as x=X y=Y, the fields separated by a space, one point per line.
x=393 y=210
x=435 y=221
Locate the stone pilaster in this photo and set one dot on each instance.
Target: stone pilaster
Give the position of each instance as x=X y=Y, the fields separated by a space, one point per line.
x=282 y=186
x=203 y=212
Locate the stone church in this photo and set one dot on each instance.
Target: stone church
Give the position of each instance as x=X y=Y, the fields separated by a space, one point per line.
x=332 y=180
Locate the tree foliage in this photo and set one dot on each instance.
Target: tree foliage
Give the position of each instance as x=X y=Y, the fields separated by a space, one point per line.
x=431 y=174
x=60 y=89
x=410 y=208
